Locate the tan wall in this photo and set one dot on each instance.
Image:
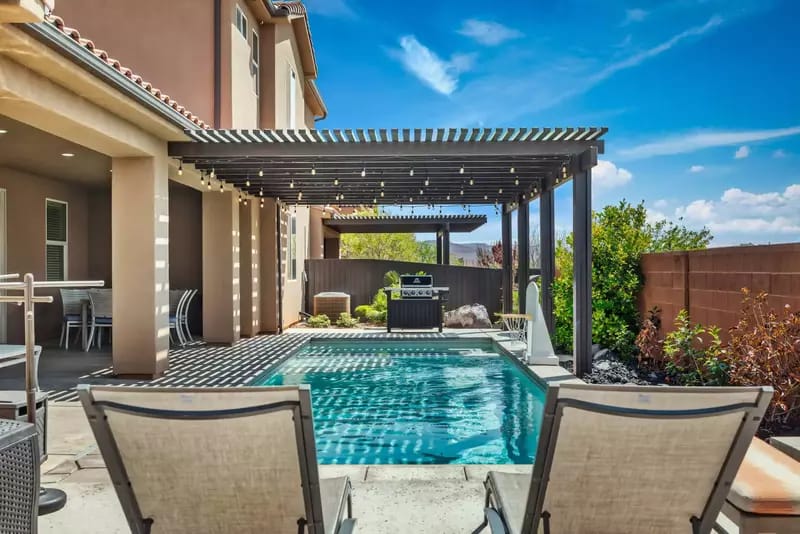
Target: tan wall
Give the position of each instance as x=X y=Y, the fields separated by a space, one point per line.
x=293 y=289
x=244 y=100
x=708 y=282
x=250 y=251
x=269 y=267
x=180 y=61
x=316 y=234
x=221 y=288
x=25 y=202
x=100 y=235
x=186 y=246
x=287 y=55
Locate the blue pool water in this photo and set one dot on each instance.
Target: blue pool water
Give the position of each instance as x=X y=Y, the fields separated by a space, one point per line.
x=432 y=402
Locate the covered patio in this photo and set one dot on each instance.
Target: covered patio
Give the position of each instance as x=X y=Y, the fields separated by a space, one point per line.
x=507 y=168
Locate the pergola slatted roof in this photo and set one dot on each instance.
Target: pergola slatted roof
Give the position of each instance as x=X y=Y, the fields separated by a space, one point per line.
x=380 y=224
x=420 y=166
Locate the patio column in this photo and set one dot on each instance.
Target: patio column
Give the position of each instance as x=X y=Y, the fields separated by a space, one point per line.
x=523 y=250
x=268 y=216
x=547 y=241
x=446 y=245
x=140 y=265
x=221 y=282
x=582 y=262
x=250 y=244
x=505 y=233
x=439 y=237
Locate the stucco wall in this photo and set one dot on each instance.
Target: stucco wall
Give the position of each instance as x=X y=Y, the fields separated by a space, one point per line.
x=25 y=201
x=244 y=100
x=708 y=283
x=186 y=246
x=293 y=289
x=180 y=61
x=287 y=56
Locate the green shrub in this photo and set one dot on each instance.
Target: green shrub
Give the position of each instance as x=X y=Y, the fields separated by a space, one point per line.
x=376 y=316
x=318 y=321
x=361 y=311
x=620 y=235
x=694 y=355
x=346 y=321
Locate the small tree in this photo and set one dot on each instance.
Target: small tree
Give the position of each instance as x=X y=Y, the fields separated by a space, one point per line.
x=399 y=247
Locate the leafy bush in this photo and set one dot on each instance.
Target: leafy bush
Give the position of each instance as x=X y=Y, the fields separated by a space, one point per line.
x=376 y=316
x=692 y=360
x=620 y=235
x=650 y=343
x=318 y=321
x=361 y=311
x=346 y=320
x=765 y=349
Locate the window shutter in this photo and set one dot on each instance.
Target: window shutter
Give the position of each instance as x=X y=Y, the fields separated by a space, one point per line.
x=55 y=262
x=56 y=221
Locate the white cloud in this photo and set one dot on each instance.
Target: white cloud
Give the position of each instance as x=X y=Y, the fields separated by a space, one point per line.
x=438 y=74
x=653 y=216
x=737 y=211
x=634 y=15
x=742 y=152
x=487 y=32
x=606 y=175
x=691 y=142
x=660 y=204
x=779 y=154
x=696 y=168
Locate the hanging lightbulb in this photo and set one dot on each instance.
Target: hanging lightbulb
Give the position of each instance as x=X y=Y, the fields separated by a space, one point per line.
x=261 y=172
x=411 y=199
x=516 y=180
x=374 y=200
x=461 y=170
x=382 y=183
x=209 y=184
x=411 y=171
x=180 y=169
x=202 y=179
x=461 y=192
x=299 y=195
x=363 y=172
x=523 y=196
x=335 y=181
x=291 y=184
x=240 y=198
x=471 y=181
x=500 y=191
x=213 y=173
x=244 y=202
x=262 y=204
x=448 y=196
x=313 y=170
x=421 y=192
x=381 y=193
x=341 y=196
x=247 y=183
x=512 y=170
x=485 y=197
x=261 y=192
x=427 y=181
x=221 y=189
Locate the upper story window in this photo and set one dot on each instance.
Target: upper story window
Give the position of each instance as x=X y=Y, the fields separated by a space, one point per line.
x=291 y=108
x=56 y=240
x=241 y=22
x=255 y=55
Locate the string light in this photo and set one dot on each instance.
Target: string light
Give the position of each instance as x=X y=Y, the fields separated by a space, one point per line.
x=209 y=184
x=221 y=189
x=381 y=193
x=240 y=198
x=421 y=192
x=374 y=200
x=261 y=192
x=411 y=171
x=341 y=196
x=299 y=195
x=461 y=170
x=261 y=172
x=291 y=184
x=262 y=203
x=382 y=183
x=313 y=170
x=213 y=173
x=471 y=181
x=427 y=181
x=202 y=179
x=448 y=196
x=485 y=197
x=247 y=183
x=500 y=191
x=411 y=199
x=516 y=180
x=512 y=170
x=245 y=202
x=461 y=192
x=363 y=172
x=180 y=169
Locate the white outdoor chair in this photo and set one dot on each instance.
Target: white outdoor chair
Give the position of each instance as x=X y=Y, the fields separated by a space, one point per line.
x=177 y=302
x=183 y=317
x=101 y=314
x=71 y=312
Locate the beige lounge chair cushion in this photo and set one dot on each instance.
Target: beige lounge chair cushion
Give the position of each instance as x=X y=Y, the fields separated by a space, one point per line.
x=511 y=496
x=768 y=482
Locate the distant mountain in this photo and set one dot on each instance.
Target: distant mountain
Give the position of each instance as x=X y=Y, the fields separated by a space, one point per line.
x=467 y=251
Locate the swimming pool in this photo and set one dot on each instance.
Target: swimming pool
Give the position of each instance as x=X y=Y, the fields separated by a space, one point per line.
x=431 y=402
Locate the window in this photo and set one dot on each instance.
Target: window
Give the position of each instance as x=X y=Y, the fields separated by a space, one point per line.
x=241 y=22
x=56 y=240
x=291 y=250
x=291 y=123
x=254 y=57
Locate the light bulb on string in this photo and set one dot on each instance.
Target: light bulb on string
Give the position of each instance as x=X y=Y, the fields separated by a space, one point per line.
x=313 y=170
x=421 y=192
x=261 y=192
x=448 y=196
x=247 y=183
x=516 y=180
x=382 y=194
x=461 y=170
x=411 y=171
x=512 y=170
x=382 y=183
x=291 y=184
x=299 y=195
x=500 y=191
x=374 y=200
x=221 y=188
x=180 y=169
x=363 y=172
x=209 y=184
x=335 y=181
x=461 y=192
x=202 y=179
x=213 y=172
x=260 y=172
x=485 y=197
x=427 y=181
x=471 y=181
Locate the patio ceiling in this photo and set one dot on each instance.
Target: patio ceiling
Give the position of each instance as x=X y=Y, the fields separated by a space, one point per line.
x=389 y=167
x=383 y=224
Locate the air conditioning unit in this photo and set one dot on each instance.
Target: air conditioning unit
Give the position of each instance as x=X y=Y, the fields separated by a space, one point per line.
x=331 y=304
x=14 y=407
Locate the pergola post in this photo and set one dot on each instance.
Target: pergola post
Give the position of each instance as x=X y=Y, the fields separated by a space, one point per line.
x=547 y=241
x=439 y=237
x=446 y=245
x=505 y=233
x=523 y=250
x=582 y=262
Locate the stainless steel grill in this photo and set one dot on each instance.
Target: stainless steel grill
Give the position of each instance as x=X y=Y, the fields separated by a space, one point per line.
x=416 y=286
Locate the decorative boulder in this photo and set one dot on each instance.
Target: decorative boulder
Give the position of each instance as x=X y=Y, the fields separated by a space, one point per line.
x=468 y=316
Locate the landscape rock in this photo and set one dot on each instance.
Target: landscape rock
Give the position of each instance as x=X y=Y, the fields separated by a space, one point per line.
x=468 y=316
x=608 y=368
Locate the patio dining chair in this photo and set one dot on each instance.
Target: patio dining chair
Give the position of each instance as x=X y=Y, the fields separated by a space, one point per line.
x=183 y=317
x=102 y=311
x=616 y=459
x=216 y=460
x=71 y=303
x=177 y=300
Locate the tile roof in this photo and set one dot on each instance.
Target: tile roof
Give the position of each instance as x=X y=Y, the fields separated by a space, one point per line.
x=293 y=8
x=103 y=56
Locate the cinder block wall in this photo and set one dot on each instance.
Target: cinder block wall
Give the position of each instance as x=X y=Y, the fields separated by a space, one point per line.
x=708 y=282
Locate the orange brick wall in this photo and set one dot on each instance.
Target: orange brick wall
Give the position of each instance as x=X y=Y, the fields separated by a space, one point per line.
x=709 y=282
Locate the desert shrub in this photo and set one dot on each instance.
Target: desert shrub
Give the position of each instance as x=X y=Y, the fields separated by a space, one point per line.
x=765 y=350
x=361 y=311
x=376 y=316
x=620 y=235
x=650 y=343
x=318 y=321
x=693 y=354
x=346 y=320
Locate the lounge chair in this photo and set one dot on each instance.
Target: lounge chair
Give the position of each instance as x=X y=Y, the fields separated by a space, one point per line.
x=639 y=459
x=216 y=460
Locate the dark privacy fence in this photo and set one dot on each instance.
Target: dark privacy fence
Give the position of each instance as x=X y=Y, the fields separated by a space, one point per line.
x=362 y=278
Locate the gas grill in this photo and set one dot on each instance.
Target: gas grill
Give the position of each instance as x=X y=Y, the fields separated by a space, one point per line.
x=416 y=303
x=416 y=286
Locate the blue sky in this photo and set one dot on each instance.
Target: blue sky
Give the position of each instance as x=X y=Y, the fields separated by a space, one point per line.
x=700 y=96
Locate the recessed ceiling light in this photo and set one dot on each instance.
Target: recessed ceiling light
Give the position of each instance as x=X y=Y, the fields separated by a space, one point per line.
x=67 y=154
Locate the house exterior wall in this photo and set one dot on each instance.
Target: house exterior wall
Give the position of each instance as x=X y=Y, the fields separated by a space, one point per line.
x=244 y=103
x=179 y=62
x=293 y=289
x=25 y=203
x=287 y=57
x=708 y=283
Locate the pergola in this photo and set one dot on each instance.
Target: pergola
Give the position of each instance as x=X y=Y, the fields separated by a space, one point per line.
x=441 y=225
x=507 y=167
